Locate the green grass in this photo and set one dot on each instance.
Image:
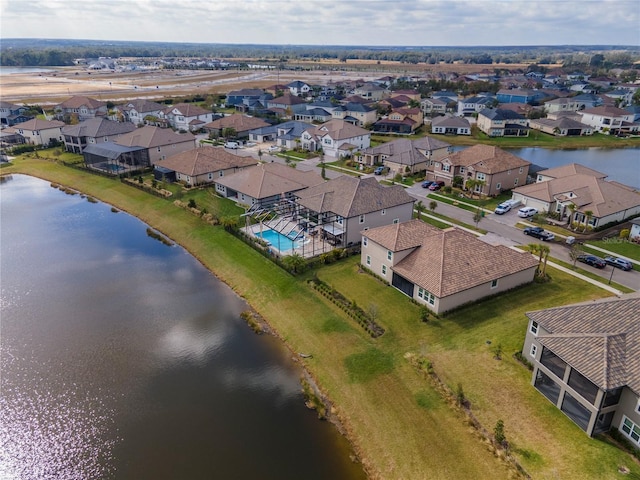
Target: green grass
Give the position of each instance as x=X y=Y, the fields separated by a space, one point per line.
x=398 y=424
x=621 y=247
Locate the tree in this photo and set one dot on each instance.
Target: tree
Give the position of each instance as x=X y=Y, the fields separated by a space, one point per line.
x=477 y=216
x=544 y=251
x=498 y=433
x=588 y=214
x=229 y=132
x=420 y=208
x=230 y=224
x=294 y=263
x=260 y=154
x=575 y=252
x=433 y=205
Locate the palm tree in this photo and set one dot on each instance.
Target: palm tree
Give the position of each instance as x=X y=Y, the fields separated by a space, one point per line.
x=294 y=262
x=544 y=255
x=420 y=208
x=588 y=214
x=572 y=208
x=433 y=205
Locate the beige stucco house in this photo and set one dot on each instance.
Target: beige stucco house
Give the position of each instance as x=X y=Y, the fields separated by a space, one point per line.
x=160 y=143
x=40 y=132
x=406 y=156
x=443 y=269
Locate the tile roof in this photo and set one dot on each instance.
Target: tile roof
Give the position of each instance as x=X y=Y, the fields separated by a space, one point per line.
x=605 y=111
x=571 y=169
x=402 y=236
x=450 y=121
x=602 y=198
x=500 y=114
x=39 y=124
x=286 y=99
x=149 y=137
x=80 y=101
x=142 y=105
x=238 y=122
x=268 y=179
x=600 y=339
x=487 y=159
x=338 y=129
x=204 y=160
x=98 y=127
x=187 y=109
x=450 y=261
x=350 y=196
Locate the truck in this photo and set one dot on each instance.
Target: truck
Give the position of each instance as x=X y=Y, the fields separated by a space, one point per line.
x=540 y=233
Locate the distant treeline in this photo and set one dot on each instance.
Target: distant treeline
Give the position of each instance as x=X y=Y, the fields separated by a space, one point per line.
x=39 y=52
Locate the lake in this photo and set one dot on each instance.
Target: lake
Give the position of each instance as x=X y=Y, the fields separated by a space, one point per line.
x=125 y=358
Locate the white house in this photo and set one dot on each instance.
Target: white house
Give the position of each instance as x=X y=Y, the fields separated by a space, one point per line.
x=337 y=138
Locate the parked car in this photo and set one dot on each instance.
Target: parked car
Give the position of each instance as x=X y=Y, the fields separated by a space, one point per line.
x=436 y=185
x=273 y=148
x=592 y=260
x=232 y=145
x=426 y=184
x=540 y=233
x=502 y=208
x=618 y=262
x=526 y=212
x=380 y=170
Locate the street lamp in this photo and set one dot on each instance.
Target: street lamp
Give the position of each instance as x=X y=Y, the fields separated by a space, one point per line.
x=611 y=276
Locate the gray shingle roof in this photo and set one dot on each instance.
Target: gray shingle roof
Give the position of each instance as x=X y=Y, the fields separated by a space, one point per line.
x=98 y=127
x=202 y=160
x=599 y=339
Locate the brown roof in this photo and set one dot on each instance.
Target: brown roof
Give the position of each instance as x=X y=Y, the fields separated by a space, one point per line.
x=571 y=169
x=202 y=160
x=350 y=196
x=286 y=99
x=237 y=121
x=599 y=339
x=268 y=179
x=452 y=260
x=79 y=101
x=338 y=129
x=606 y=111
x=591 y=193
x=149 y=137
x=406 y=151
x=402 y=236
x=38 y=124
x=487 y=159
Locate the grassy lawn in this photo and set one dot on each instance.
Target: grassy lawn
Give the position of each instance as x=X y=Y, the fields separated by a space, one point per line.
x=621 y=247
x=399 y=425
x=458 y=195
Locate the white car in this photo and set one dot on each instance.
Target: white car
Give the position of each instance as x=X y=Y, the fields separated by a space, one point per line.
x=526 y=212
x=502 y=208
x=273 y=148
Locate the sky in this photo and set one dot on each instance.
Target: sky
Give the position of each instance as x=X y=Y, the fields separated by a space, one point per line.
x=329 y=22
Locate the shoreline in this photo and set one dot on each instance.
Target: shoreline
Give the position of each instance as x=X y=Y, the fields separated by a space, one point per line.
x=332 y=414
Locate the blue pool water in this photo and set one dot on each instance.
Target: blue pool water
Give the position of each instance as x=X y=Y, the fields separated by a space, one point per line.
x=278 y=241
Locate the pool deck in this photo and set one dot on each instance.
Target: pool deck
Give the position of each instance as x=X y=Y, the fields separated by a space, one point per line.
x=313 y=245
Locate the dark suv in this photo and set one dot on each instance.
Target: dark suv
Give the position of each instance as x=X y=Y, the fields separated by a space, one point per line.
x=592 y=260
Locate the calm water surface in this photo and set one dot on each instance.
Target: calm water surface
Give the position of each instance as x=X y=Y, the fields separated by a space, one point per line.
x=122 y=358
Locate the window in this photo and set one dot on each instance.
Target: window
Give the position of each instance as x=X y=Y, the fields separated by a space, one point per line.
x=480 y=176
x=339 y=220
x=221 y=173
x=369 y=260
x=446 y=167
x=389 y=254
x=534 y=328
x=426 y=296
x=384 y=211
x=365 y=241
x=384 y=270
x=361 y=219
x=509 y=172
x=515 y=182
x=498 y=186
x=494 y=283
x=461 y=169
x=521 y=170
x=612 y=397
x=533 y=351
x=630 y=429
x=396 y=220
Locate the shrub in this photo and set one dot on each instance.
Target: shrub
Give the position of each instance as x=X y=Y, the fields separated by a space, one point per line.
x=460 y=399
x=624 y=233
x=192 y=203
x=498 y=433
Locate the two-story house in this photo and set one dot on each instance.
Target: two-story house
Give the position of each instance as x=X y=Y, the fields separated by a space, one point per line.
x=357 y=113
x=337 y=138
x=586 y=361
x=138 y=111
x=299 y=88
x=79 y=108
x=11 y=114
x=404 y=155
x=187 y=117
x=93 y=131
x=611 y=120
x=40 y=132
x=502 y=123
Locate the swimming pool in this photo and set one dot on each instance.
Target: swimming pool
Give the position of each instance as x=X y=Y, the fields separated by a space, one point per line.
x=279 y=241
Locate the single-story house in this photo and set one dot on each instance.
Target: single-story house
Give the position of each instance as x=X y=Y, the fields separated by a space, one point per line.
x=337 y=138
x=450 y=125
x=497 y=169
x=561 y=127
x=345 y=205
x=586 y=361
x=443 y=269
x=405 y=155
x=203 y=165
x=580 y=195
x=265 y=184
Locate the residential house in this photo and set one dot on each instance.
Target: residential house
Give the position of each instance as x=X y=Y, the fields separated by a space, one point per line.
x=450 y=125
x=587 y=100
x=445 y=95
x=356 y=113
x=502 y=123
x=634 y=233
x=346 y=205
x=611 y=120
x=40 y=132
x=518 y=95
x=389 y=104
x=286 y=135
x=580 y=195
x=337 y=138
x=561 y=127
x=411 y=93
x=11 y=114
x=431 y=106
x=237 y=97
x=475 y=104
x=586 y=361
x=299 y=88
x=240 y=124
x=286 y=105
x=443 y=269
x=138 y=111
x=79 y=108
x=204 y=165
x=371 y=91
x=317 y=115
x=160 y=143
x=404 y=156
x=400 y=121
x=565 y=104
x=494 y=170
x=187 y=117
x=265 y=184
x=92 y=131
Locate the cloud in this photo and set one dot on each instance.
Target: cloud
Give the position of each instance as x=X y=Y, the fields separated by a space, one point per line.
x=329 y=22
